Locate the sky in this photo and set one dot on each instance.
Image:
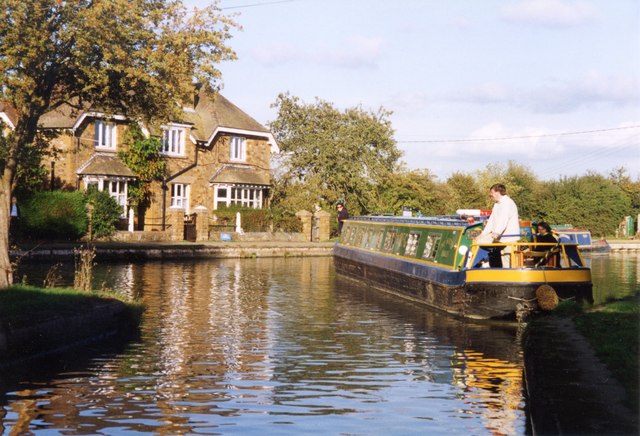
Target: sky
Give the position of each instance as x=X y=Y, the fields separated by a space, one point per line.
x=550 y=84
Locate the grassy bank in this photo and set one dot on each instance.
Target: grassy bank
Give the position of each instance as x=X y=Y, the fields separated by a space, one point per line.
x=28 y=305
x=613 y=331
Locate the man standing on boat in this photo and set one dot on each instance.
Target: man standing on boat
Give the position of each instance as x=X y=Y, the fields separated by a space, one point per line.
x=503 y=225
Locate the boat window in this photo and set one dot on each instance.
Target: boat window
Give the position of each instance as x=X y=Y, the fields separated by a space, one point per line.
x=412 y=244
x=401 y=242
x=431 y=247
x=374 y=240
x=358 y=237
x=389 y=240
x=365 y=238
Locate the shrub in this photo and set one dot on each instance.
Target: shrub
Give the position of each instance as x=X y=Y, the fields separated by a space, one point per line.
x=285 y=221
x=106 y=212
x=54 y=215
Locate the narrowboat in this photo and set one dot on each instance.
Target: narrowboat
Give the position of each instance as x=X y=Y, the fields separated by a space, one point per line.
x=582 y=237
x=435 y=261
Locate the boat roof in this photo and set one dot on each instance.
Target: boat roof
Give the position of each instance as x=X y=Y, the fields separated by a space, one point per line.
x=439 y=220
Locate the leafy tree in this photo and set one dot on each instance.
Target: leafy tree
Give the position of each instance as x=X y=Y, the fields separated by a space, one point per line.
x=415 y=189
x=143 y=157
x=137 y=58
x=522 y=187
x=464 y=193
x=589 y=201
x=332 y=154
x=621 y=179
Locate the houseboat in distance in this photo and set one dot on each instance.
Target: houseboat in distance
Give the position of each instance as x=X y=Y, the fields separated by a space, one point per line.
x=434 y=261
x=582 y=237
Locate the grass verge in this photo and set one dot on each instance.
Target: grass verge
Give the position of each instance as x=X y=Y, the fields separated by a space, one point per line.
x=613 y=330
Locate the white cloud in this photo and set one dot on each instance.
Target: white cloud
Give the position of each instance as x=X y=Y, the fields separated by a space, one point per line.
x=593 y=89
x=484 y=94
x=549 y=13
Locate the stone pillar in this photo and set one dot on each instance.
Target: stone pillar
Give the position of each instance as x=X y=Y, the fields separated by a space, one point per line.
x=202 y=223
x=130 y=226
x=239 y=223
x=323 y=221
x=176 y=219
x=306 y=218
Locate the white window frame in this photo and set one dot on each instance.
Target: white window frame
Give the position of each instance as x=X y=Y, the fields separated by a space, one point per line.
x=238 y=195
x=105 y=135
x=179 y=196
x=118 y=190
x=173 y=140
x=237 y=148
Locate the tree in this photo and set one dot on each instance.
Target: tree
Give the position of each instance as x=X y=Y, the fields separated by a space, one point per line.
x=143 y=157
x=136 y=58
x=332 y=154
x=415 y=189
x=465 y=193
x=590 y=201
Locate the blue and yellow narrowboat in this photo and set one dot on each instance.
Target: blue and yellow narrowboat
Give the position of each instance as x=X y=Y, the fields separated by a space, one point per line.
x=436 y=262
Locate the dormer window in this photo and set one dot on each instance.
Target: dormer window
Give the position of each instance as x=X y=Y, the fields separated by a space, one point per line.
x=173 y=141
x=105 y=135
x=237 y=148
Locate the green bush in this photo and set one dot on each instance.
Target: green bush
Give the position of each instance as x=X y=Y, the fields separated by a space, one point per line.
x=285 y=221
x=54 y=215
x=106 y=212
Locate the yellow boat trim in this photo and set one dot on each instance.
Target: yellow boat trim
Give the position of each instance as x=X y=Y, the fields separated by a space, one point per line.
x=486 y=275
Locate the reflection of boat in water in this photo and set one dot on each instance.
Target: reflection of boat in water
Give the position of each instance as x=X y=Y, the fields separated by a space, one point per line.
x=581 y=237
x=435 y=261
x=485 y=363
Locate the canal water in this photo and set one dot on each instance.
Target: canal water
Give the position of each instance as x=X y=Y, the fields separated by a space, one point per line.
x=279 y=346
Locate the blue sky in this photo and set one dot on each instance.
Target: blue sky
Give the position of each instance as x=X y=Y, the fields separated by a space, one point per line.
x=459 y=75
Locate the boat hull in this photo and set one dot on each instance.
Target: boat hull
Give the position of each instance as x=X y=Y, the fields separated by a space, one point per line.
x=478 y=294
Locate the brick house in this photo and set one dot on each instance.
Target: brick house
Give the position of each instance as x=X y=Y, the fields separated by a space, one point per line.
x=216 y=155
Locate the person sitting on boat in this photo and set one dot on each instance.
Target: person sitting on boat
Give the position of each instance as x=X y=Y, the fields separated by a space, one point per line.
x=343 y=214
x=503 y=225
x=545 y=235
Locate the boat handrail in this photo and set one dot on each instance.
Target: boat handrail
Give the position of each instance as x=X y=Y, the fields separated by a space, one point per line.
x=441 y=220
x=524 y=254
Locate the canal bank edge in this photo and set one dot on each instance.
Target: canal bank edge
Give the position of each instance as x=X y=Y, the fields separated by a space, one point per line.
x=102 y=318
x=129 y=251
x=569 y=390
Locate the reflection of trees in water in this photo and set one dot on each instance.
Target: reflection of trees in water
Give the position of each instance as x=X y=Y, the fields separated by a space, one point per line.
x=231 y=337
x=614 y=275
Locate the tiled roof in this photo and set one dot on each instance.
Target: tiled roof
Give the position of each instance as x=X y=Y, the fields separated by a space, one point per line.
x=215 y=112
x=9 y=111
x=241 y=175
x=105 y=165
x=210 y=114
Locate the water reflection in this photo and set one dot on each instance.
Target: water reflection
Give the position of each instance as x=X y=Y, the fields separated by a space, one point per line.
x=615 y=275
x=276 y=345
x=280 y=346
